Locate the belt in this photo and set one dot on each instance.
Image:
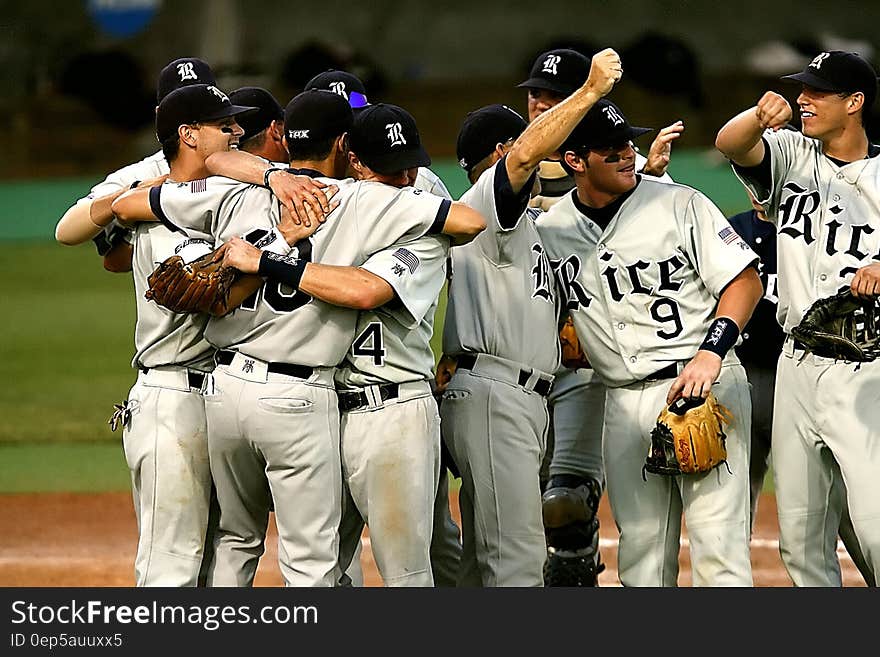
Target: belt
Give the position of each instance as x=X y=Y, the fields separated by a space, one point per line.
x=193 y=378
x=542 y=386
x=299 y=371
x=352 y=400
x=668 y=372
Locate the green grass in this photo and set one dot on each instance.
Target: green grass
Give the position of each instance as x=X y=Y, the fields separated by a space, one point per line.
x=63 y=467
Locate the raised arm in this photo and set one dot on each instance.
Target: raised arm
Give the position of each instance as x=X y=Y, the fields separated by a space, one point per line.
x=545 y=134
x=463 y=223
x=740 y=138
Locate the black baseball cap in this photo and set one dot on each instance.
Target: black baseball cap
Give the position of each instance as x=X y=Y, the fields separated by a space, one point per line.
x=604 y=125
x=268 y=109
x=483 y=129
x=192 y=104
x=839 y=71
x=343 y=83
x=561 y=70
x=183 y=72
x=314 y=116
x=386 y=139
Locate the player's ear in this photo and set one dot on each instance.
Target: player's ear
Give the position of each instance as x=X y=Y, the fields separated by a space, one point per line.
x=574 y=162
x=185 y=132
x=856 y=101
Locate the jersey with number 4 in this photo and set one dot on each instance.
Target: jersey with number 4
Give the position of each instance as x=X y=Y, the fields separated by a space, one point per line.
x=393 y=342
x=279 y=323
x=827 y=219
x=643 y=291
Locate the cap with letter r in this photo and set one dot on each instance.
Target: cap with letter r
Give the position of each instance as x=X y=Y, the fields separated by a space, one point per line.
x=561 y=71
x=603 y=126
x=195 y=103
x=483 y=129
x=343 y=83
x=182 y=72
x=841 y=72
x=386 y=139
x=268 y=109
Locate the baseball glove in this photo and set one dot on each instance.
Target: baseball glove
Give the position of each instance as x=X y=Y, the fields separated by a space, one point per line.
x=688 y=437
x=573 y=356
x=200 y=286
x=841 y=327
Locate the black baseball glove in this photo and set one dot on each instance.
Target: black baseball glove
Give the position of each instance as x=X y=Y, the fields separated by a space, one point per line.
x=841 y=327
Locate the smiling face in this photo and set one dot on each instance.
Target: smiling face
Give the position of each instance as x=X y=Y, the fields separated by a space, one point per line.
x=826 y=113
x=218 y=136
x=612 y=170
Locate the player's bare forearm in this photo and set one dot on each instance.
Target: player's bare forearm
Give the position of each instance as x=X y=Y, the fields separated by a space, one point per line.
x=463 y=224
x=86 y=219
x=740 y=138
x=546 y=133
x=238 y=165
x=134 y=206
x=240 y=290
x=740 y=296
x=349 y=287
x=866 y=282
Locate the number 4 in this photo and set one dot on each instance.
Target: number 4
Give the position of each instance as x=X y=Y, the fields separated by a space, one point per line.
x=370 y=344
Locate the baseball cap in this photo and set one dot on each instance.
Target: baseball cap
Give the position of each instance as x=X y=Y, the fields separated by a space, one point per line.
x=386 y=139
x=182 y=72
x=561 y=70
x=343 y=83
x=483 y=129
x=604 y=125
x=192 y=104
x=839 y=71
x=268 y=109
x=314 y=116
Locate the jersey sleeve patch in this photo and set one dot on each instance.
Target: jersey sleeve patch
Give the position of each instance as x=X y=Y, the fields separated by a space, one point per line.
x=197 y=186
x=728 y=235
x=408 y=258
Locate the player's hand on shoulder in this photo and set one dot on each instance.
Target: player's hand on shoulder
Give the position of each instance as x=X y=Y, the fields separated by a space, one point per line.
x=605 y=71
x=293 y=230
x=661 y=149
x=307 y=200
x=773 y=111
x=152 y=182
x=866 y=282
x=240 y=254
x=697 y=377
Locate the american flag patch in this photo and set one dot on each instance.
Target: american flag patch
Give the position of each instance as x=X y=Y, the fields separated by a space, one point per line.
x=198 y=186
x=408 y=258
x=728 y=235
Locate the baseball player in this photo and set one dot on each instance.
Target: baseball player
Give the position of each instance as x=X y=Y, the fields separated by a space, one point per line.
x=163 y=417
x=264 y=129
x=820 y=188
x=250 y=474
x=445 y=543
x=90 y=217
x=501 y=329
x=573 y=475
x=658 y=284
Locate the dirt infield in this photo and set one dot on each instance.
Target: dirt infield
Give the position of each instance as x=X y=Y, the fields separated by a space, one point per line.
x=71 y=539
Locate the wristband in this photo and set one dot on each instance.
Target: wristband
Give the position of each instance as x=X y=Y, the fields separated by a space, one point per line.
x=282 y=269
x=722 y=335
x=269 y=172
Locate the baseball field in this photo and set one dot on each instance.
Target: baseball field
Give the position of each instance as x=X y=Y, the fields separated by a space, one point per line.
x=66 y=517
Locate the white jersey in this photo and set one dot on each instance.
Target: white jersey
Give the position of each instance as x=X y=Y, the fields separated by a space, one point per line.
x=163 y=337
x=428 y=181
x=502 y=297
x=393 y=342
x=278 y=323
x=827 y=219
x=643 y=291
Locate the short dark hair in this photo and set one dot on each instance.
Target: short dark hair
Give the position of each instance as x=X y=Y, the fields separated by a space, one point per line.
x=313 y=150
x=171 y=148
x=254 y=142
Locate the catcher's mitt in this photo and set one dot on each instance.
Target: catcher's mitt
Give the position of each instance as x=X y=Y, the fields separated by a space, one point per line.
x=573 y=356
x=199 y=286
x=841 y=327
x=689 y=437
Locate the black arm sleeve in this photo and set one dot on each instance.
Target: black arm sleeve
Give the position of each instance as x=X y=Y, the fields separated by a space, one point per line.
x=510 y=205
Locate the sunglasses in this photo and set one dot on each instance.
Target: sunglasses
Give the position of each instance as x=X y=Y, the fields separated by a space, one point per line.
x=613 y=154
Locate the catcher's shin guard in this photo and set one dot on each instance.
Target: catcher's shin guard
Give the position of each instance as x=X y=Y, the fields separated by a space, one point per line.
x=570 y=505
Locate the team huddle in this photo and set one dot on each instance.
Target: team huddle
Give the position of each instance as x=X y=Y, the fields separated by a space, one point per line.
x=301 y=380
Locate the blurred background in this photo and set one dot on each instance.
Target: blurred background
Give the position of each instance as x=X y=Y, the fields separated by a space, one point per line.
x=78 y=80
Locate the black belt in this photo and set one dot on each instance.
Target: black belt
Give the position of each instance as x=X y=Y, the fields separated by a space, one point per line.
x=352 y=400
x=668 y=372
x=194 y=379
x=542 y=386
x=299 y=371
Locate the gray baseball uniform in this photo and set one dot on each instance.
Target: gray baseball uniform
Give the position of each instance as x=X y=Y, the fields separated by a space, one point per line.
x=271 y=403
x=165 y=439
x=389 y=422
x=642 y=292
x=825 y=426
x=501 y=325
